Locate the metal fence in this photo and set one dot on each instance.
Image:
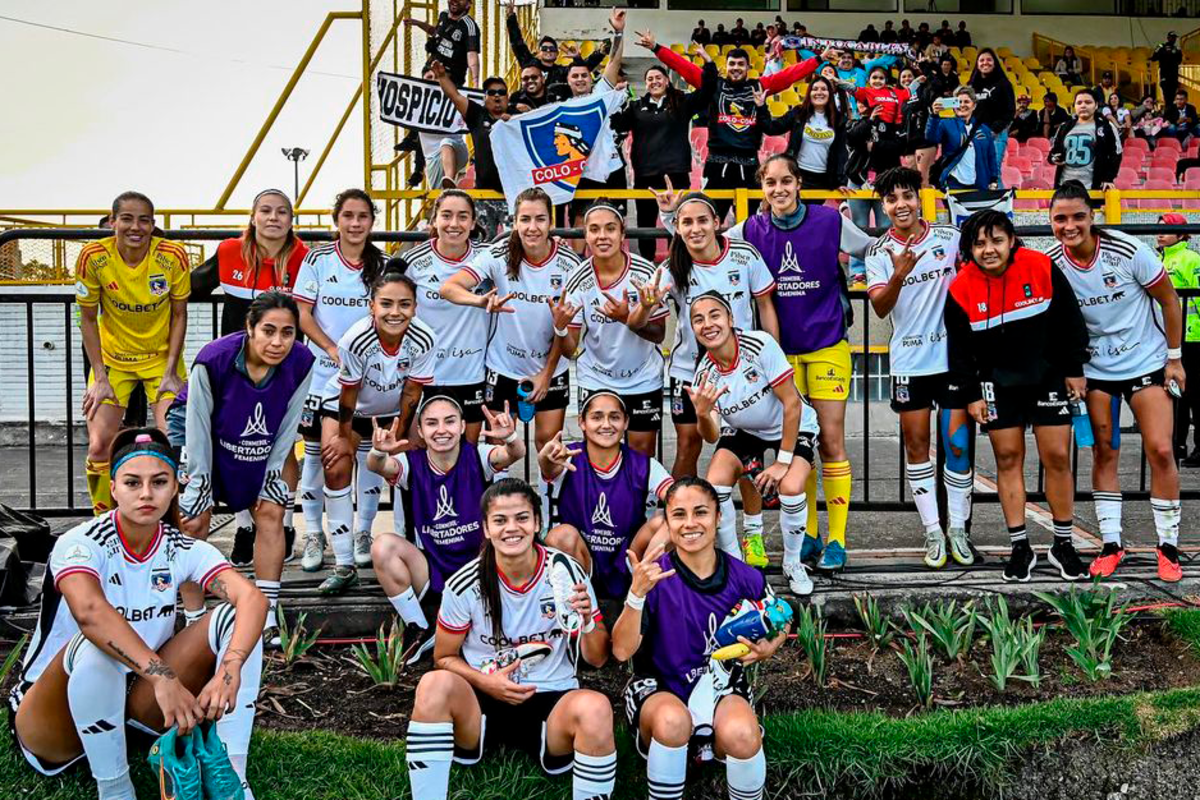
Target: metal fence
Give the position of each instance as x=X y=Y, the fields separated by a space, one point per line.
x=53 y=385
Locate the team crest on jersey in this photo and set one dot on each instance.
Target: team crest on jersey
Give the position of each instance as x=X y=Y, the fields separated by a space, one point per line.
x=734 y=114
x=556 y=282
x=158 y=285
x=939 y=252
x=1110 y=280
x=81 y=289
x=403 y=363
x=1028 y=291
x=751 y=375
x=546 y=604
x=735 y=277
x=160 y=580
x=560 y=143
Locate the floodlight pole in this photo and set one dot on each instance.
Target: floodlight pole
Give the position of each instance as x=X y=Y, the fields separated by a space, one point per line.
x=295 y=155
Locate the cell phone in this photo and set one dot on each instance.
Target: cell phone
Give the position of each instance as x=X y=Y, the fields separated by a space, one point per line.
x=949 y=103
x=1174 y=390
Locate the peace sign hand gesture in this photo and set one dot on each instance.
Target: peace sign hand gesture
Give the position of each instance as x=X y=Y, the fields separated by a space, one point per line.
x=903 y=261
x=494 y=304
x=563 y=311
x=615 y=309
x=668 y=199
x=559 y=454
x=646 y=39
x=652 y=293
x=500 y=424
x=760 y=95
x=384 y=439
x=705 y=395
x=647 y=572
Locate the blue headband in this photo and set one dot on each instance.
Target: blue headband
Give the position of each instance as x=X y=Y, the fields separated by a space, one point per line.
x=143 y=452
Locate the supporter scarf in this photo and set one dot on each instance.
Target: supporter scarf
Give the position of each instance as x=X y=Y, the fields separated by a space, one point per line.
x=819 y=45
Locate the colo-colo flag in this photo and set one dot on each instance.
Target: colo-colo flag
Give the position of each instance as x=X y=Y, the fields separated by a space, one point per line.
x=420 y=105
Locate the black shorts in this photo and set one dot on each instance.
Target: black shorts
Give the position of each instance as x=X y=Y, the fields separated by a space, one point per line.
x=682 y=410
x=1021 y=406
x=918 y=392
x=749 y=448
x=1127 y=388
x=469 y=396
x=520 y=727
x=310 y=417
x=363 y=426
x=641 y=688
x=501 y=388
x=644 y=409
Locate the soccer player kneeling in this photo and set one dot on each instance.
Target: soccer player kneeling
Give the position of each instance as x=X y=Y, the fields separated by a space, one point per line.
x=680 y=698
x=512 y=625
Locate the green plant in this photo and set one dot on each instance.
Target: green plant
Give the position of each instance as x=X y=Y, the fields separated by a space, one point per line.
x=1094 y=622
x=810 y=631
x=14 y=656
x=878 y=628
x=1006 y=650
x=1031 y=639
x=951 y=627
x=919 y=663
x=385 y=666
x=294 y=642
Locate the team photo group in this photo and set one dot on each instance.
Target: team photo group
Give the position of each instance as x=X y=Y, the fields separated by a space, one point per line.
x=351 y=369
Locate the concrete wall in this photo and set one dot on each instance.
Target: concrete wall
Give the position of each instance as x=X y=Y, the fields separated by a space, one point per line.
x=997 y=30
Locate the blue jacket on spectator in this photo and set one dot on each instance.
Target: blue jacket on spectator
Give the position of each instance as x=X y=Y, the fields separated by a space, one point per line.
x=951 y=134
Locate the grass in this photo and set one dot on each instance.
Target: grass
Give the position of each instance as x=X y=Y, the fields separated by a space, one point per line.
x=1184 y=624
x=866 y=753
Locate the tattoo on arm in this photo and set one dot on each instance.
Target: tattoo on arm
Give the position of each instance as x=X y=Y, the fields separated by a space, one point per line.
x=217 y=588
x=121 y=654
x=159 y=667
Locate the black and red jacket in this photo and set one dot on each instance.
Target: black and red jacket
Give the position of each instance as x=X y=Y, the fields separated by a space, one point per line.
x=1019 y=329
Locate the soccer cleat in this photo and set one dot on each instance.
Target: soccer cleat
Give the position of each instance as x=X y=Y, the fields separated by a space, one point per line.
x=960 y=546
x=289 y=544
x=797 y=577
x=833 y=559
x=1063 y=557
x=755 y=551
x=1168 y=563
x=1106 y=563
x=362 y=549
x=314 y=551
x=340 y=581
x=935 y=550
x=1020 y=564
x=217 y=775
x=242 y=554
x=563 y=576
x=811 y=549
x=173 y=760
x=417 y=642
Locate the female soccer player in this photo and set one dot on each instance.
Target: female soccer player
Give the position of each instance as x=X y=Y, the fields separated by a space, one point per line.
x=1016 y=345
x=700 y=260
x=1135 y=334
x=386 y=361
x=800 y=245
x=118 y=574
x=142 y=283
x=679 y=701
x=460 y=334
x=600 y=310
x=746 y=403
x=909 y=272
x=236 y=421
x=511 y=627
x=265 y=257
x=528 y=271
x=333 y=288
x=603 y=494
x=445 y=486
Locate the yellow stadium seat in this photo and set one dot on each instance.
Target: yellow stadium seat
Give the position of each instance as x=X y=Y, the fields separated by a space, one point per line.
x=776 y=108
x=954 y=51
x=587 y=48
x=1032 y=63
x=725 y=48
x=790 y=57
x=1004 y=52
x=789 y=96
x=678 y=48
x=712 y=50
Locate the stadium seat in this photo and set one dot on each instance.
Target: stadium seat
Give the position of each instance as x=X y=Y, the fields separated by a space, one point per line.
x=1158 y=186
x=1168 y=143
x=1163 y=174
x=774 y=144
x=1012 y=177
x=1023 y=165
x=1134 y=143
x=1128 y=174
x=1040 y=143
x=1192 y=174
x=1011 y=148
x=699 y=137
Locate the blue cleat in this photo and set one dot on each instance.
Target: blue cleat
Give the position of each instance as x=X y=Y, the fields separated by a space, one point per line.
x=810 y=550
x=834 y=558
x=173 y=760
x=220 y=780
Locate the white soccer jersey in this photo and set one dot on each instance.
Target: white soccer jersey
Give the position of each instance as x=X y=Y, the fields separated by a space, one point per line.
x=658 y=480
x=740 y=275
x=485 y=458
x=334 y=288
x=613 y=356
x=378 y=374
x=529 y=616
x=750 y=404
x=1124 y=322
x=521 y=341
x=918 y=345
x=460 y=332
x=141 y=586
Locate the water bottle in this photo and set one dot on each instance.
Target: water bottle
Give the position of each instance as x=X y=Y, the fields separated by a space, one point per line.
x=525 y=409
x=754 y=621
x=1082 y=424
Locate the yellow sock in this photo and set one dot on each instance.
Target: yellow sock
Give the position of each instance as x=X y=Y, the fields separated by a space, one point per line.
x=810 y=493
x=835 y=477
x=99 y=486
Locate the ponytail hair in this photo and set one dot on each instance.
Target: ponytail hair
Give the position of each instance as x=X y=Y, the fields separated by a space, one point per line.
x=372 y=257
x=147 y=440
x=489 y=572
x=680 y=261
x=394 y=274
x=516 y=250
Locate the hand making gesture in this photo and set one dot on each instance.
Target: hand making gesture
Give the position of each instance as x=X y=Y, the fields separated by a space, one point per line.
x=903 y=261
x=668 y=199
x=646 y=39
x=494 y=304
x=616 y=309
x=652 y=293
x=500 y=424
x=384 y=439
x=563 y=311
x=558 y=454
x=617 y=20
x=647 y=572
x=705 y=395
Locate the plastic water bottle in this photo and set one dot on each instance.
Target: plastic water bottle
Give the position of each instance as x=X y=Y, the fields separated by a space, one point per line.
x=525 y=409
x=754 y=621
x=1082 y=424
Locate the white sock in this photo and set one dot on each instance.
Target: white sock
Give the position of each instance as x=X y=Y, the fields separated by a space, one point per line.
x=234 y=728
x=1108 y=514
x=727 y=529
x=746 y=778
x=428 y=751
x=753 y=523
x=192 y=616
x=312 y=484
x=959 y=486
x=593 y=777
x=96 y=697
x=921 y=484
x=340 y=507
x=289 y=511
x=408 y=607
x=271 y=590
x=117 y=788
x=666 y=770
x=793 y=519
x=1166 y=520
x=239 y=766
x=244 y=519
x=368 y=487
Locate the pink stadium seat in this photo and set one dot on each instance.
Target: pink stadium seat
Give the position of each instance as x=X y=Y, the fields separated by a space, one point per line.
x=1160 y=186
x=1040 y=143
x=1011 y=176
x=1192 y=203
x=774 y=144
x=1168 y=143
x=1018 y=163
x=1043 y=184
x=1125 y=182
x=1190 y=175
x=1134 y=143
x=1012 y=146
x=699 y=137
x=1163 y=174
x=1162 y=157
x=1128 y=174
